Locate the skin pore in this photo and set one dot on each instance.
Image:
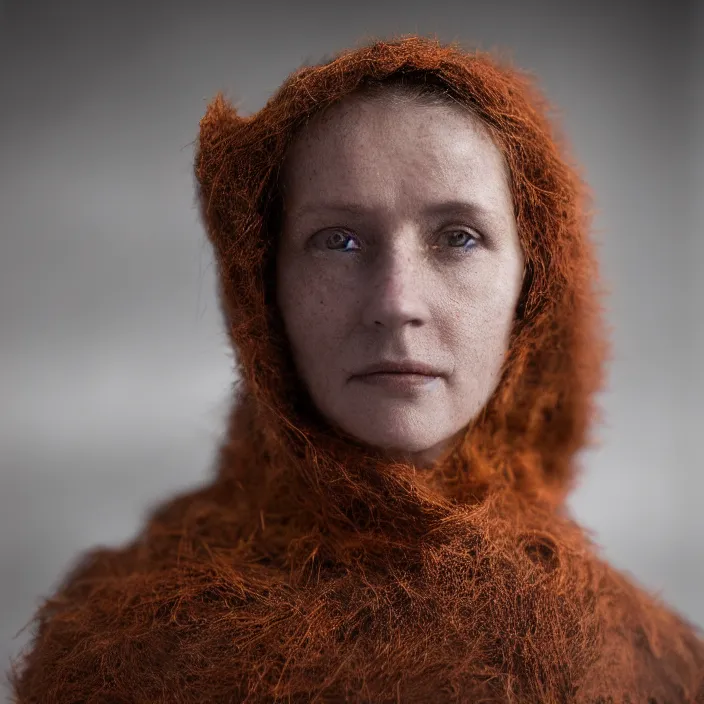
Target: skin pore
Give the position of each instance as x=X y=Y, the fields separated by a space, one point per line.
x=399 y=243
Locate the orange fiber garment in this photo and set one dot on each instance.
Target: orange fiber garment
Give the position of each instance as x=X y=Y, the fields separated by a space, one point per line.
x=310 y=569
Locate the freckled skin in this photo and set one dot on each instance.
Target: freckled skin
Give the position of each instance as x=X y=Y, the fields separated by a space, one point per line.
x=396 y=281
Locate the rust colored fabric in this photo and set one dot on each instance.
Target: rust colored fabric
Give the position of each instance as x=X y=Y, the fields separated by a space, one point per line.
x=310 y=569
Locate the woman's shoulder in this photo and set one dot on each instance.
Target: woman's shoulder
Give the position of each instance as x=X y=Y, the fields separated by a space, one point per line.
x=661 y=650
x=121 y=616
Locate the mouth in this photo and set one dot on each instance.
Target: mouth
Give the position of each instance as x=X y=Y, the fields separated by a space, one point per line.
x=403 y=376
x=401 y=367
x=397 y=383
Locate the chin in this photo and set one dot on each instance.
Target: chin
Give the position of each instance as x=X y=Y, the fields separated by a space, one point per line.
x=398 y=426
x=398 y=433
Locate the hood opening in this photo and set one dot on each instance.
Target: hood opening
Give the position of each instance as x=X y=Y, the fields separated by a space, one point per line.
x=526 y=437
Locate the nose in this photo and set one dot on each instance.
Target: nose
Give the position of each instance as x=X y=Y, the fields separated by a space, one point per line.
x=397 y=290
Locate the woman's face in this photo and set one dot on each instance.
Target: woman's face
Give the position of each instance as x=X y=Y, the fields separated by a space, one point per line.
x=399 y=270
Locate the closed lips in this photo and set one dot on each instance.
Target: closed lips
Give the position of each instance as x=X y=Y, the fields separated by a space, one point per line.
x=401 y=367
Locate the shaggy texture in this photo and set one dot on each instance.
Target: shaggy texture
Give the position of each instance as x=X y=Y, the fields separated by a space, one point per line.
x=309 y=569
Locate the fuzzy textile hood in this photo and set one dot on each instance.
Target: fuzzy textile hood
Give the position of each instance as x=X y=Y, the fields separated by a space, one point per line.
x=310 y=569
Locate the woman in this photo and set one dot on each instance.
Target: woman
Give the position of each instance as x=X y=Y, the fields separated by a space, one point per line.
x=406 y=278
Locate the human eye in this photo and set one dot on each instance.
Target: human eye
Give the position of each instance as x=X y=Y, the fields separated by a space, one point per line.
x=460 y=239
x=340 y=241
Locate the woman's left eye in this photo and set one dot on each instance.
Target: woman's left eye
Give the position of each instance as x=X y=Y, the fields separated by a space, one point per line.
x=461 y=238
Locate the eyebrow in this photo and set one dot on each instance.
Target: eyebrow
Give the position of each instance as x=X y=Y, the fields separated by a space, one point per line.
x=452 y=207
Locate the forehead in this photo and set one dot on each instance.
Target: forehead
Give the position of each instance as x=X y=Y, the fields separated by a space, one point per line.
x=378 y=149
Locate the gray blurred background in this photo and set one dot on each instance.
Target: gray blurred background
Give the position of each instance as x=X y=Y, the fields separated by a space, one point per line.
x=114 y=369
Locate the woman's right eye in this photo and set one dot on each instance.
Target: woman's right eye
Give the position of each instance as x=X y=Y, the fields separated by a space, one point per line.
x=340 y=241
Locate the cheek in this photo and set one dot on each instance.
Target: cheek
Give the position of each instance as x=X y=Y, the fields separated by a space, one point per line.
x=316 y=314
x=481 y=319
x=499 y=309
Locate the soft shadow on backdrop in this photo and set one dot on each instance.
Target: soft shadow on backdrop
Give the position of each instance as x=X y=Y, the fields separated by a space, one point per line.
x=114 y=370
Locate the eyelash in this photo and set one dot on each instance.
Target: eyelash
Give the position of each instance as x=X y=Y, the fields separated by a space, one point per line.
x=472 y=239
